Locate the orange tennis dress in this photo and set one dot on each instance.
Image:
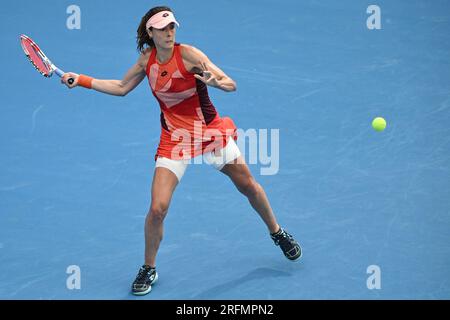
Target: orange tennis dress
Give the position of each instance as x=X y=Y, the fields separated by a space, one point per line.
x=190 y=124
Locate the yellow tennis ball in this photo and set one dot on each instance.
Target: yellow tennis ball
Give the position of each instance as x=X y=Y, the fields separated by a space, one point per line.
x=379 y=124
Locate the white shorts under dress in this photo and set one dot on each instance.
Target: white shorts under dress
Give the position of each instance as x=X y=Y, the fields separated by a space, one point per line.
x=216 y=159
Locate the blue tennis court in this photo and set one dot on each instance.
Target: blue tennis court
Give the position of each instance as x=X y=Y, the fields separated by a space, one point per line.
x=77 y=165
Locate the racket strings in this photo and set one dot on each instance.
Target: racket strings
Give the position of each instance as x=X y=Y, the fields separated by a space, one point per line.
x=35 y=56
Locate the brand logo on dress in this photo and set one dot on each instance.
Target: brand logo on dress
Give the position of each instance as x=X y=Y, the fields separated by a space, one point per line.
x=164 y=73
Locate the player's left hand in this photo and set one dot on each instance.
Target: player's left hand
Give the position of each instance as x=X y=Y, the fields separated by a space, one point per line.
x=208 y=77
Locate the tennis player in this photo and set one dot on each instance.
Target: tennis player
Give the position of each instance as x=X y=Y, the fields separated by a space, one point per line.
x=178 y=75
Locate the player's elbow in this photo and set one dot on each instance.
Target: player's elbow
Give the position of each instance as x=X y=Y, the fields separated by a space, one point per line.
x=122 y=90
x=119 y=93
x=229 y=84
x=233 y=86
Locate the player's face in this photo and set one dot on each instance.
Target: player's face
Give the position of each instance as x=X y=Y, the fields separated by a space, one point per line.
x=164 y=38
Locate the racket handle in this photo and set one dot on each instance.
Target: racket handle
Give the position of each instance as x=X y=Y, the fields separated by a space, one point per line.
x=60 y=73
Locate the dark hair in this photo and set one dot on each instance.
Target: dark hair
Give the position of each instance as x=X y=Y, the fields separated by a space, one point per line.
x=142 y=38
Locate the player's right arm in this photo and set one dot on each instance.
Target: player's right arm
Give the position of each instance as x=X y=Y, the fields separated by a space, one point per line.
x=132 y=78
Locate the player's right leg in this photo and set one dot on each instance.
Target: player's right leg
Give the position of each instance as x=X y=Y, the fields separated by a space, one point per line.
x=166 y=177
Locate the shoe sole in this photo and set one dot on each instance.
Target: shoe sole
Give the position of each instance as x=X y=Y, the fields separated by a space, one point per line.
x=143 y=293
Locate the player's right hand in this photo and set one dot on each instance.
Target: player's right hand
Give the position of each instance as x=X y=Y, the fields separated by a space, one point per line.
x=65 y=79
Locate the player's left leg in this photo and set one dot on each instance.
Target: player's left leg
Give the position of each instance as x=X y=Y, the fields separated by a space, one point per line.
x=240 y=175
x=230 y=162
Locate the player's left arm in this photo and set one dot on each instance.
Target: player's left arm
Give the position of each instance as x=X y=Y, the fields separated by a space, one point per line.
x=212 y=74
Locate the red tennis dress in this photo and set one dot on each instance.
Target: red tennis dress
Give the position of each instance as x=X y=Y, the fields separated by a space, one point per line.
x=190 y=124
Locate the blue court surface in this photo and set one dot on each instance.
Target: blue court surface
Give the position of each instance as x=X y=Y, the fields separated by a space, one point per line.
x=369 y=208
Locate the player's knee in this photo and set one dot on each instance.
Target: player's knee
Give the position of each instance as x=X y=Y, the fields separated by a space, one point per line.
x=158 y=211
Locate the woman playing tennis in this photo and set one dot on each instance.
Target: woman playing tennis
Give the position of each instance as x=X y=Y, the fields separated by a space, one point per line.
x=178 y=75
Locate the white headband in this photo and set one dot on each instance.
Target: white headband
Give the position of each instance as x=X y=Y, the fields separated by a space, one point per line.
x=161 y=20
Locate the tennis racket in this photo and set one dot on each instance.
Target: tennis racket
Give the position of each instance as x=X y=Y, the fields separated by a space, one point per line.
x=39 y=60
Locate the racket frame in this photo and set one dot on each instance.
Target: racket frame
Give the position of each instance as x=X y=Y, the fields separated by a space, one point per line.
x=51 y=67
